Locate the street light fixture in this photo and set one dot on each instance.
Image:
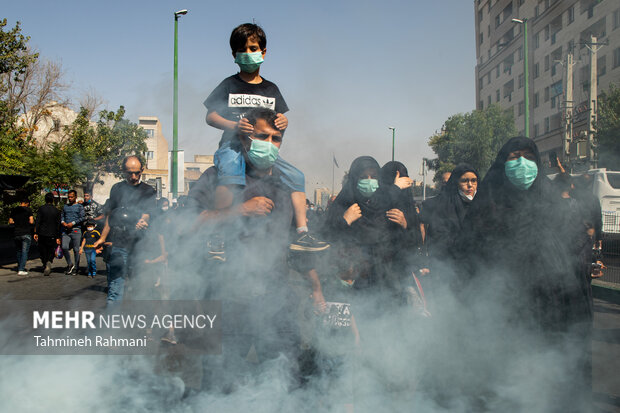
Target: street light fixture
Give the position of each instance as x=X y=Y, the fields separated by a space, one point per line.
x=526 y=91
x=175 y=107
x=393 y=129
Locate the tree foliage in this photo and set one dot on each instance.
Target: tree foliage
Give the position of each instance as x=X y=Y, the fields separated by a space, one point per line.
x=608 y=129
x=474 y=138
x=101 y=149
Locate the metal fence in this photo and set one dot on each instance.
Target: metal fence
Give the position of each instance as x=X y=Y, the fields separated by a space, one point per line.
x=611 y=246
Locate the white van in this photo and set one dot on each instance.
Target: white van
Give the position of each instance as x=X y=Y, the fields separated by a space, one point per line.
x=606 y=187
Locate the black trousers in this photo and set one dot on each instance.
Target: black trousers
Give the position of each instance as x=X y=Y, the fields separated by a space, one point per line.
x=47 y=249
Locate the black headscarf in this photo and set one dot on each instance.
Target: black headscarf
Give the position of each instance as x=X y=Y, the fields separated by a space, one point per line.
x=400 y=198
x=336 y=226
x=519 y=240
x=448 y=213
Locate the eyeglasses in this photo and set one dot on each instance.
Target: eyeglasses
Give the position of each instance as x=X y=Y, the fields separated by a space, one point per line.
x=471 y=181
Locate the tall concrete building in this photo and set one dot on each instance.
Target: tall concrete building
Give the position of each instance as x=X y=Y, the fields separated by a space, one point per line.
x=558 y=31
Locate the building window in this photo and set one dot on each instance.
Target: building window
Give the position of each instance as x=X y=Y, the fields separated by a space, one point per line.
x=521 y=108
x=480 y=84
x=547 y=94
x=553 y=101
x=616 y=20
x=481 y=105
x=520 y=53
x=547 y=124
x=536 y=70
x=616 y=62
x=481 y=36
x=547 y=63
x=488 y=100
x=489 y=78
x=497 y=71
x=150 y=132
x=537 y=40
x=601 y=66
x=149 y=154
x=536 y=11
x=546 y=32
x=497 y=22
x=536 y=130
x=536 y=99
x=497 y=95
x=571 y=14
x=570 y=45
x=521 y=78
x=479 y=16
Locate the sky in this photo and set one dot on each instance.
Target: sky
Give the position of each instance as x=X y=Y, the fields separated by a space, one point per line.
x=348 y=69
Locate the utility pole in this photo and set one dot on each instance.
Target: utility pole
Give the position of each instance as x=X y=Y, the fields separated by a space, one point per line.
x=423 y=179
x=568 y=109
x=592 y=154
x=174 y=173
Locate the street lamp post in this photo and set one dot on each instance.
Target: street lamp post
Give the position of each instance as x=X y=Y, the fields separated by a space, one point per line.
x=175 y=109
x=526 y=77
x=393 y=134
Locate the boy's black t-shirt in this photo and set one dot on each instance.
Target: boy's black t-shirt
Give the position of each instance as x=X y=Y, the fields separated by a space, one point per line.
x=232 y=98
x=125 y=207
x=21 y=217
x=91 y=237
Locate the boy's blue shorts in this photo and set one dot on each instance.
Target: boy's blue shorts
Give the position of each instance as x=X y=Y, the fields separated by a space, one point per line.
x=230 y=166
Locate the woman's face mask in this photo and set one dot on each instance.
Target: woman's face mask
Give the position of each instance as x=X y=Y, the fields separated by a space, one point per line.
x=521 y=172
x=367 y=187
x=90 y=228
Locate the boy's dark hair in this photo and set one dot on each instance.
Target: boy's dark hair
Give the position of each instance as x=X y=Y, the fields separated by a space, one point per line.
x=262 y=113
x=49 y=198
x=243 y=32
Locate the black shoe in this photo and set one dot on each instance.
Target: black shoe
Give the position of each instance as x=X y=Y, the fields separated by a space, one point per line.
x=216 y=250
x=48 y=269
x=70 y=269
x=307 y=242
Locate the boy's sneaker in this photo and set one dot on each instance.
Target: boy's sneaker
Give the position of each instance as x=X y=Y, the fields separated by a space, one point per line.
x=70 y=269
x=22 y=272
x=216 y=250
x=48 y=269
x=307 y=242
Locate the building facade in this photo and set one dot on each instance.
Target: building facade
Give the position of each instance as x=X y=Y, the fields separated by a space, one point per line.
x=570 y=43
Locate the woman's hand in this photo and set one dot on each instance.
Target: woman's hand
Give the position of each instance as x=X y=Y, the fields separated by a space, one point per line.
x=352 y=214
x=404 y=182
x=397 y=216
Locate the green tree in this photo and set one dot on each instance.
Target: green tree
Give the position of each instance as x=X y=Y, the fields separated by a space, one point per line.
x=14 y=60
x=473 y=138
x=101 y=149
x=608 y=128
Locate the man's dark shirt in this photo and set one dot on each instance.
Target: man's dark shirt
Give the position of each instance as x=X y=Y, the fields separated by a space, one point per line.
x=125 y=207
x=48 y=221
x=259 y=245
x=21 y=217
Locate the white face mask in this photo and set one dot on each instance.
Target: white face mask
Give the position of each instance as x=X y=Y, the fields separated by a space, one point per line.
x=90 y=228
x=467 y=198
x=164 y=208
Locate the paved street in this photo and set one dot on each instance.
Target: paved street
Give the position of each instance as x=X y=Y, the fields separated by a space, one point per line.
x=58 y=286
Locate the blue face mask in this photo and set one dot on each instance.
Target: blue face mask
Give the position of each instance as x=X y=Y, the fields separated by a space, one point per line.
x=262 y=154
x=521 y=172
x=367 y=187
x=249 y=62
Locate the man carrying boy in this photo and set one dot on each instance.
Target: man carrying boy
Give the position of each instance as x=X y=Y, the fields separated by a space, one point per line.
x=227 y=106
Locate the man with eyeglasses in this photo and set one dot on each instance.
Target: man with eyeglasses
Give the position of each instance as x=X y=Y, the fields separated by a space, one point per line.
x=128 y=211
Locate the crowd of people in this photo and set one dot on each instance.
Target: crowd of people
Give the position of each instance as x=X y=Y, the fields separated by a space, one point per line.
x=492 y=272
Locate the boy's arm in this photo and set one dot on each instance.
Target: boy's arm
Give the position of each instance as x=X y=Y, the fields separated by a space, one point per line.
x=217 y=121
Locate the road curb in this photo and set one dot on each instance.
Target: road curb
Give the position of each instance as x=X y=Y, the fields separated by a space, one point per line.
x=606 y=291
